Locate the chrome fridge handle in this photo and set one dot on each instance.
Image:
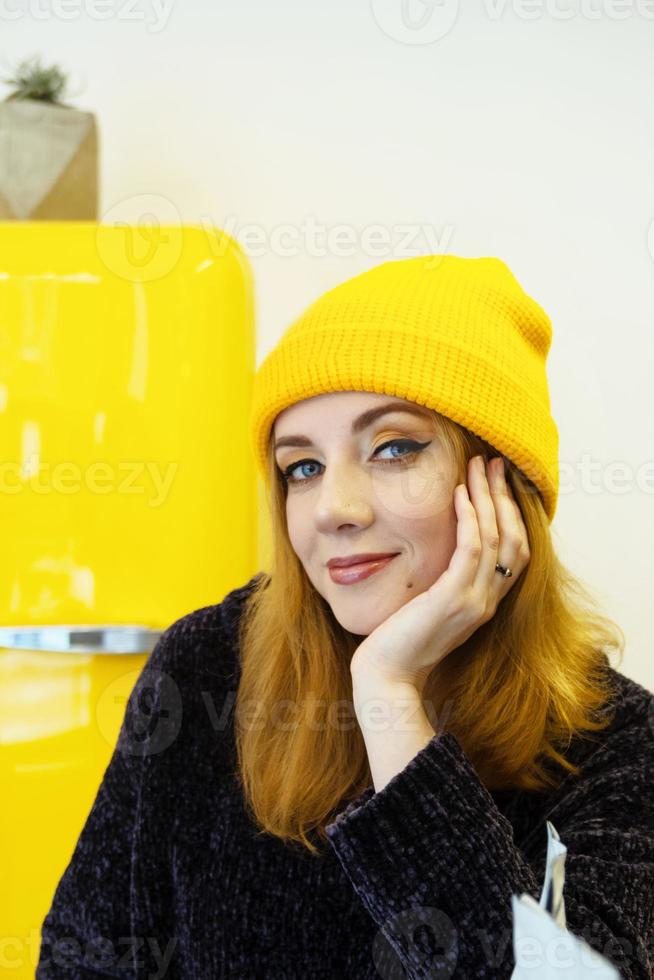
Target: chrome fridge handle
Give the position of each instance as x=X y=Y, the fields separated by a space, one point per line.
x=80 y=638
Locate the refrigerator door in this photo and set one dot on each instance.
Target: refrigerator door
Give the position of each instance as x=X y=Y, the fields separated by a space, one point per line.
x=129 y=498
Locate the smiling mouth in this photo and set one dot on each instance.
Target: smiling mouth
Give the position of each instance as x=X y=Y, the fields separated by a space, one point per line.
x=349 y=574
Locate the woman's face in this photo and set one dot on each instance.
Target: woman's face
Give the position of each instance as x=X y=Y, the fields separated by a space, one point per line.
x=347 y=495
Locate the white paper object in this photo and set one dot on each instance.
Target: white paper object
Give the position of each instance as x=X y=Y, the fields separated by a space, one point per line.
x=543 y=948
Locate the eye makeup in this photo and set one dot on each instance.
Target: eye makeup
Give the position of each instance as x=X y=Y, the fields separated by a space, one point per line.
x=414 y=449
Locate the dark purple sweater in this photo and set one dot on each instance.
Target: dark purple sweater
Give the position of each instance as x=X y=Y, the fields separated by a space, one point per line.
x=170 y=878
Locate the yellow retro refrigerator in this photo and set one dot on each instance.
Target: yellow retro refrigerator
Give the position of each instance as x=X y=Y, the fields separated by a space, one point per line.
x=127 y=499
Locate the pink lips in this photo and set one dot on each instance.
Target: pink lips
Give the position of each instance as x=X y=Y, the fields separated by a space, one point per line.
x=350 y=574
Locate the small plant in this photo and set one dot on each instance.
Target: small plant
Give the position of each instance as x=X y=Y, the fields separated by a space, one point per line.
x=34 y=81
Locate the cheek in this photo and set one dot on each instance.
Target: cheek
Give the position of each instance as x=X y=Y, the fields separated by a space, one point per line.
x=298 y=528
x=435 y=543
x=422 y=494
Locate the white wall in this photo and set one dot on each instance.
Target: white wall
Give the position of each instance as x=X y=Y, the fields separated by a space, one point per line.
x=515 y=128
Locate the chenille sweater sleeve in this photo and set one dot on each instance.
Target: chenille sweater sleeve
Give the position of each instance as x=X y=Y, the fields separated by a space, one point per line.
x=93 y=928
x=435 y=863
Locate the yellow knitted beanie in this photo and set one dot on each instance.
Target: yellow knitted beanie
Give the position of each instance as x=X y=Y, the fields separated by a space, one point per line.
x=458 y=335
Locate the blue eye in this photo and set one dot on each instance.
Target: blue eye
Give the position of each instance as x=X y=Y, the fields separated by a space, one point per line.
x=413 y=447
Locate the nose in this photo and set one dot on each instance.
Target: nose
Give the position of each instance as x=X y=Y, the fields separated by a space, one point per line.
x=345 y=498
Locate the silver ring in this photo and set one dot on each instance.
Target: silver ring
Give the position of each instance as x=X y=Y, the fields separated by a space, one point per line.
x=506 y=572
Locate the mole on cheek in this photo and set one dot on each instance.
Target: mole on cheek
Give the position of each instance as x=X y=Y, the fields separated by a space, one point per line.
x=409 y=585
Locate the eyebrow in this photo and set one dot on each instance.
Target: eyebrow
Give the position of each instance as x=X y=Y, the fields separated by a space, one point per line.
x=361 y=422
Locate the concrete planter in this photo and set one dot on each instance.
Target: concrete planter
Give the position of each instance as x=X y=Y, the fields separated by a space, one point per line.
x=48 y=162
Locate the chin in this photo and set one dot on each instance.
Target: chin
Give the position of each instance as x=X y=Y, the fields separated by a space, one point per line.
x=355 y=626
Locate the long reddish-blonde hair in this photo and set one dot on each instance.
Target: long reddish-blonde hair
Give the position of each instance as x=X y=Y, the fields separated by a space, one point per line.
x=513 y=695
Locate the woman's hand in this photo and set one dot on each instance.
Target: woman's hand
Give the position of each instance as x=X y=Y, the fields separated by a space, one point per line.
x=490 y=529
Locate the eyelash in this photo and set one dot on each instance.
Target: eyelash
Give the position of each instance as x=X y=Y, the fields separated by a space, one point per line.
x=398 y=461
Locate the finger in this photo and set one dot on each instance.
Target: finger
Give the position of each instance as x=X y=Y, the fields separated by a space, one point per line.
x=488 y=528
x=523 y=548
x=465 y=560
x=519 y=518
x=512 y=529
x=512 y=498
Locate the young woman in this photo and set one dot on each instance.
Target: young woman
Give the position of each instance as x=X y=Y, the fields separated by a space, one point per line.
x=345 y=768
